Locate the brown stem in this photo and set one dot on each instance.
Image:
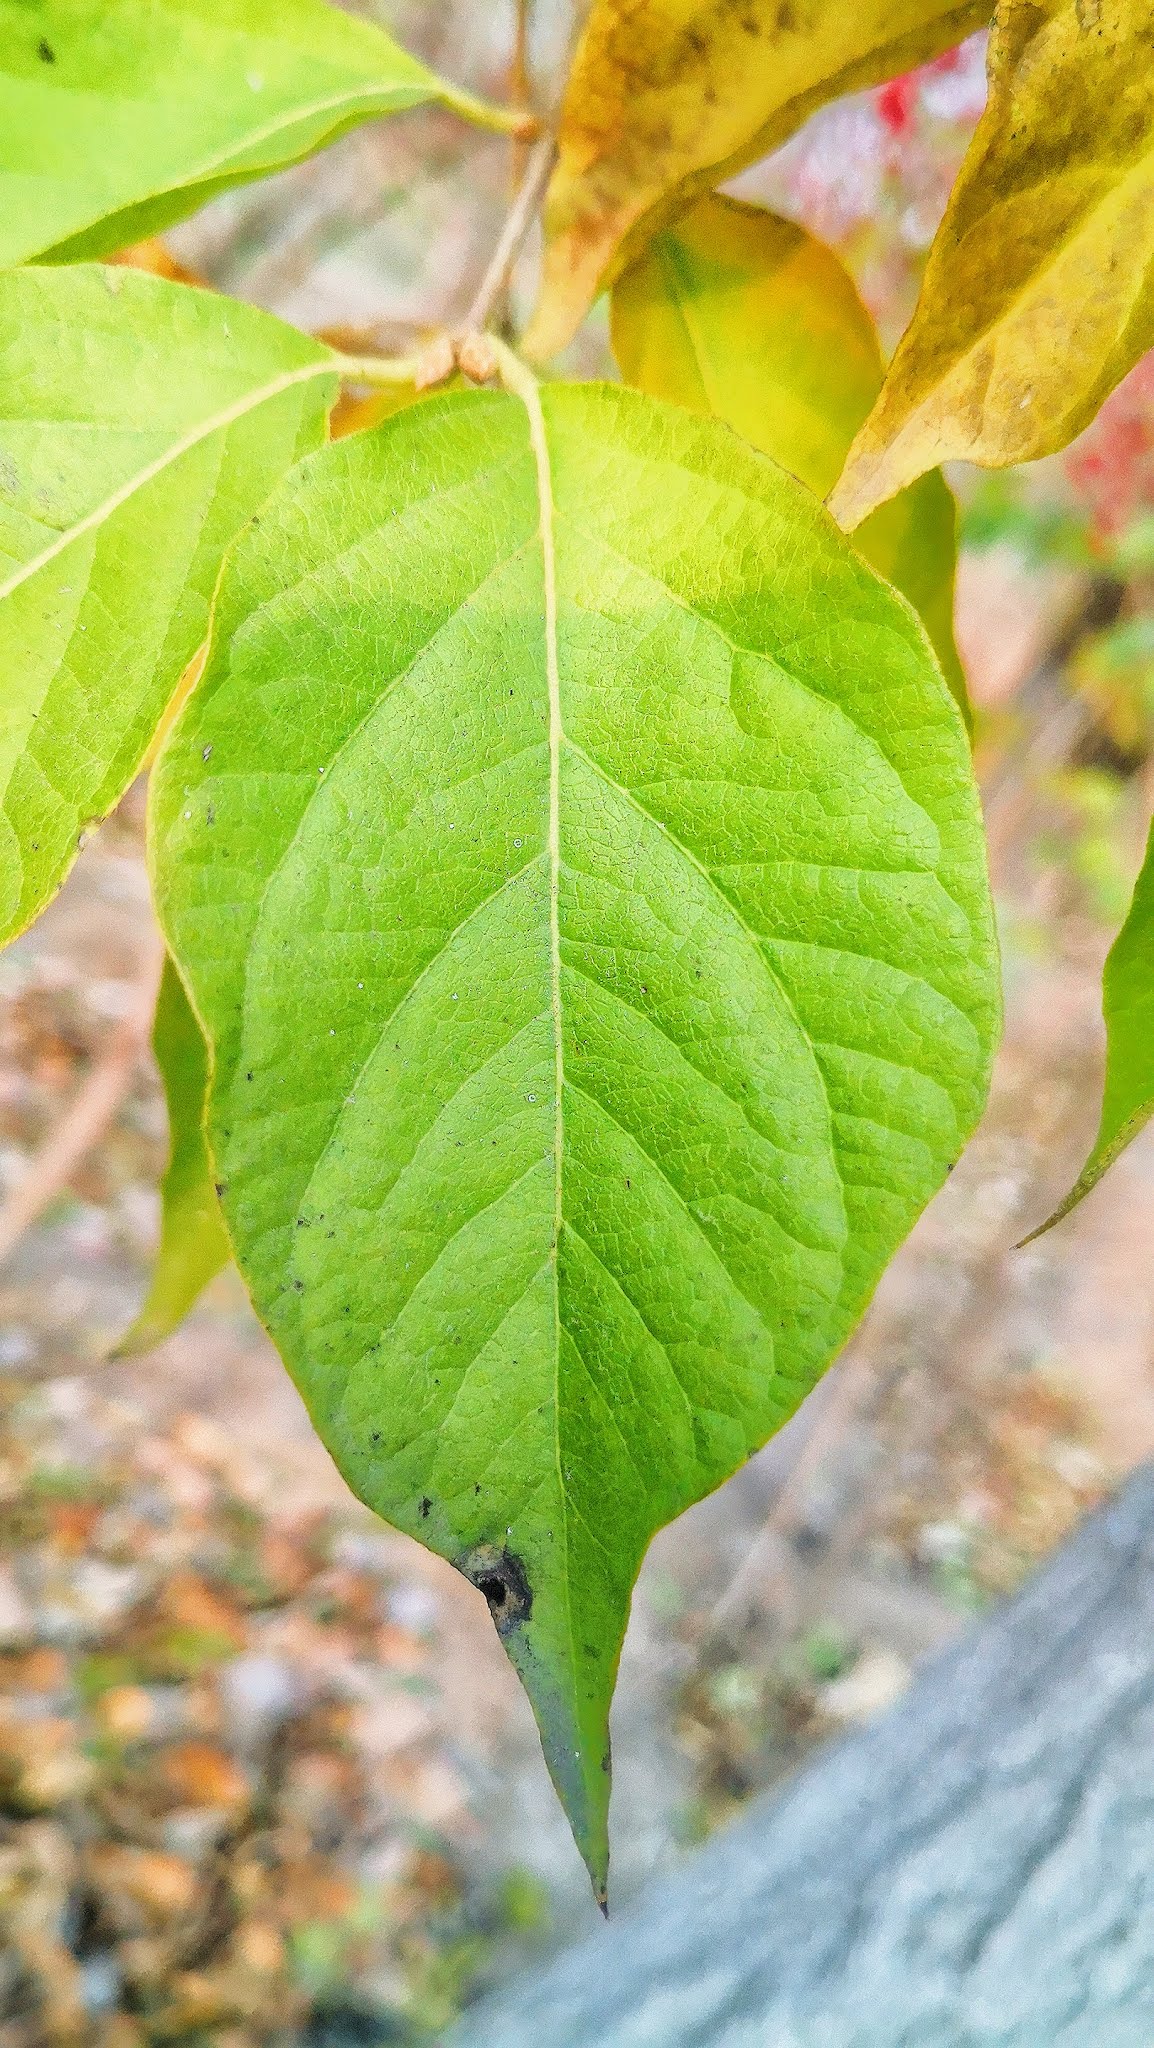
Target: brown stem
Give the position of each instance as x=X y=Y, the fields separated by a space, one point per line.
x=520 y=94
x=522 y=214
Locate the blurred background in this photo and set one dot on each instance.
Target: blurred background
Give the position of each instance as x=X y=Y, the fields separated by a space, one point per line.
x=265 y=1775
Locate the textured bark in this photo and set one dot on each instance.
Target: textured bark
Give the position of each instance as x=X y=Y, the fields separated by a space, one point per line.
x=974 y=1871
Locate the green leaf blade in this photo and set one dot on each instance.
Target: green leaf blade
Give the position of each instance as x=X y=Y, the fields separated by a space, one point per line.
x=194 y=1245
x=738 y=313
x=119 y=119
x=141 y=424
x=1128 y=1008
x=580 y=759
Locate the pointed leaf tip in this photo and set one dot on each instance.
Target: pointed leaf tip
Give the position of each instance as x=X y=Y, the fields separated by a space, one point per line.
x=194 y=1245
x=1036 y=300
x=1128 y=1011
x=666 y=101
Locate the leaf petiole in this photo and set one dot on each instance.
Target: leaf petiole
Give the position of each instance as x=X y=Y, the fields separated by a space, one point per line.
x=520 y=122
x=383 y=370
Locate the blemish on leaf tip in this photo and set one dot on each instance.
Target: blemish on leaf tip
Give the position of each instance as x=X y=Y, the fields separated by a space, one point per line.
x=45 y=51
x=501 y=1577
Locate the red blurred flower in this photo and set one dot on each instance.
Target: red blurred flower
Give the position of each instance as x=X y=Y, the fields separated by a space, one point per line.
x=897 y=102
x=1111 y=465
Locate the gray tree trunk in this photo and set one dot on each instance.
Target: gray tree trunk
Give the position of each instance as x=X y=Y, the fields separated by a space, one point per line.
x=974 y=1871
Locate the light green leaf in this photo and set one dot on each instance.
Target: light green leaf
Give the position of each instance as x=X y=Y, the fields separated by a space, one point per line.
x=141 y=424
x=739 y=313
x=119 y=117
x=1037 y=295
x=593 y=939
x=194 y=1245
x=1128 y=1007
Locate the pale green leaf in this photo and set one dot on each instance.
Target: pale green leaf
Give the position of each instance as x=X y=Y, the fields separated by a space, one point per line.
x=593 y=938
x=141 y=424
x=1037 y=296
x=739 y=313
x=1128 y=1007
x=668 y=98
x=194 y=1245
x=118 y=117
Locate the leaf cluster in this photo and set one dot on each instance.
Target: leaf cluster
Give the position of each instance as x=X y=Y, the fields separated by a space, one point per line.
x=581 y=963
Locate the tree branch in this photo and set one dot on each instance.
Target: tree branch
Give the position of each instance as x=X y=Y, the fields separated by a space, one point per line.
x=521 y=217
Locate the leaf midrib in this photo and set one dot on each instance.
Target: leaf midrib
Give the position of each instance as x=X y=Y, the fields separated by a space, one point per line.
x=219 y=164
x=203 y=431
x=530 y=396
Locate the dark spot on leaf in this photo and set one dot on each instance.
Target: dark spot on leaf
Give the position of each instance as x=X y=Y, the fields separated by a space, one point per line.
x=423 y=1507
x=45 y=51
x=221 y=1187
x=500 y=1576
x=376 y=1436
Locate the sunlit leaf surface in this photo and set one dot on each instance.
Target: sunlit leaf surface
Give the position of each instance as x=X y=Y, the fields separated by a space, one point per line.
x=574 y=857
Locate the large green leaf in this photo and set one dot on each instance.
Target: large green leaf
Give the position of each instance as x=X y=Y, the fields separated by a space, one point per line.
x=739 y=313
x=118 y=117
x=1037 y=296
x=573 y=854
x=194 y=1244
x=141 y=424
x=668 y=98
x=1128 y=1007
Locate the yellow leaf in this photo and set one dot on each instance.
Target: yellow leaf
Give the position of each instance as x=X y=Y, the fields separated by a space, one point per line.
x=1037 y=295
x=668 y=98
x=739 y=313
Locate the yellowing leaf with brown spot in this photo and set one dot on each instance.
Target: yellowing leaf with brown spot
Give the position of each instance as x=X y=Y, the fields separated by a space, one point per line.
x=668 y=98
x=1037 y=296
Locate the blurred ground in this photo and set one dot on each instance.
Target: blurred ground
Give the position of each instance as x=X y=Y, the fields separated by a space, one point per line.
x=265 y=1775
